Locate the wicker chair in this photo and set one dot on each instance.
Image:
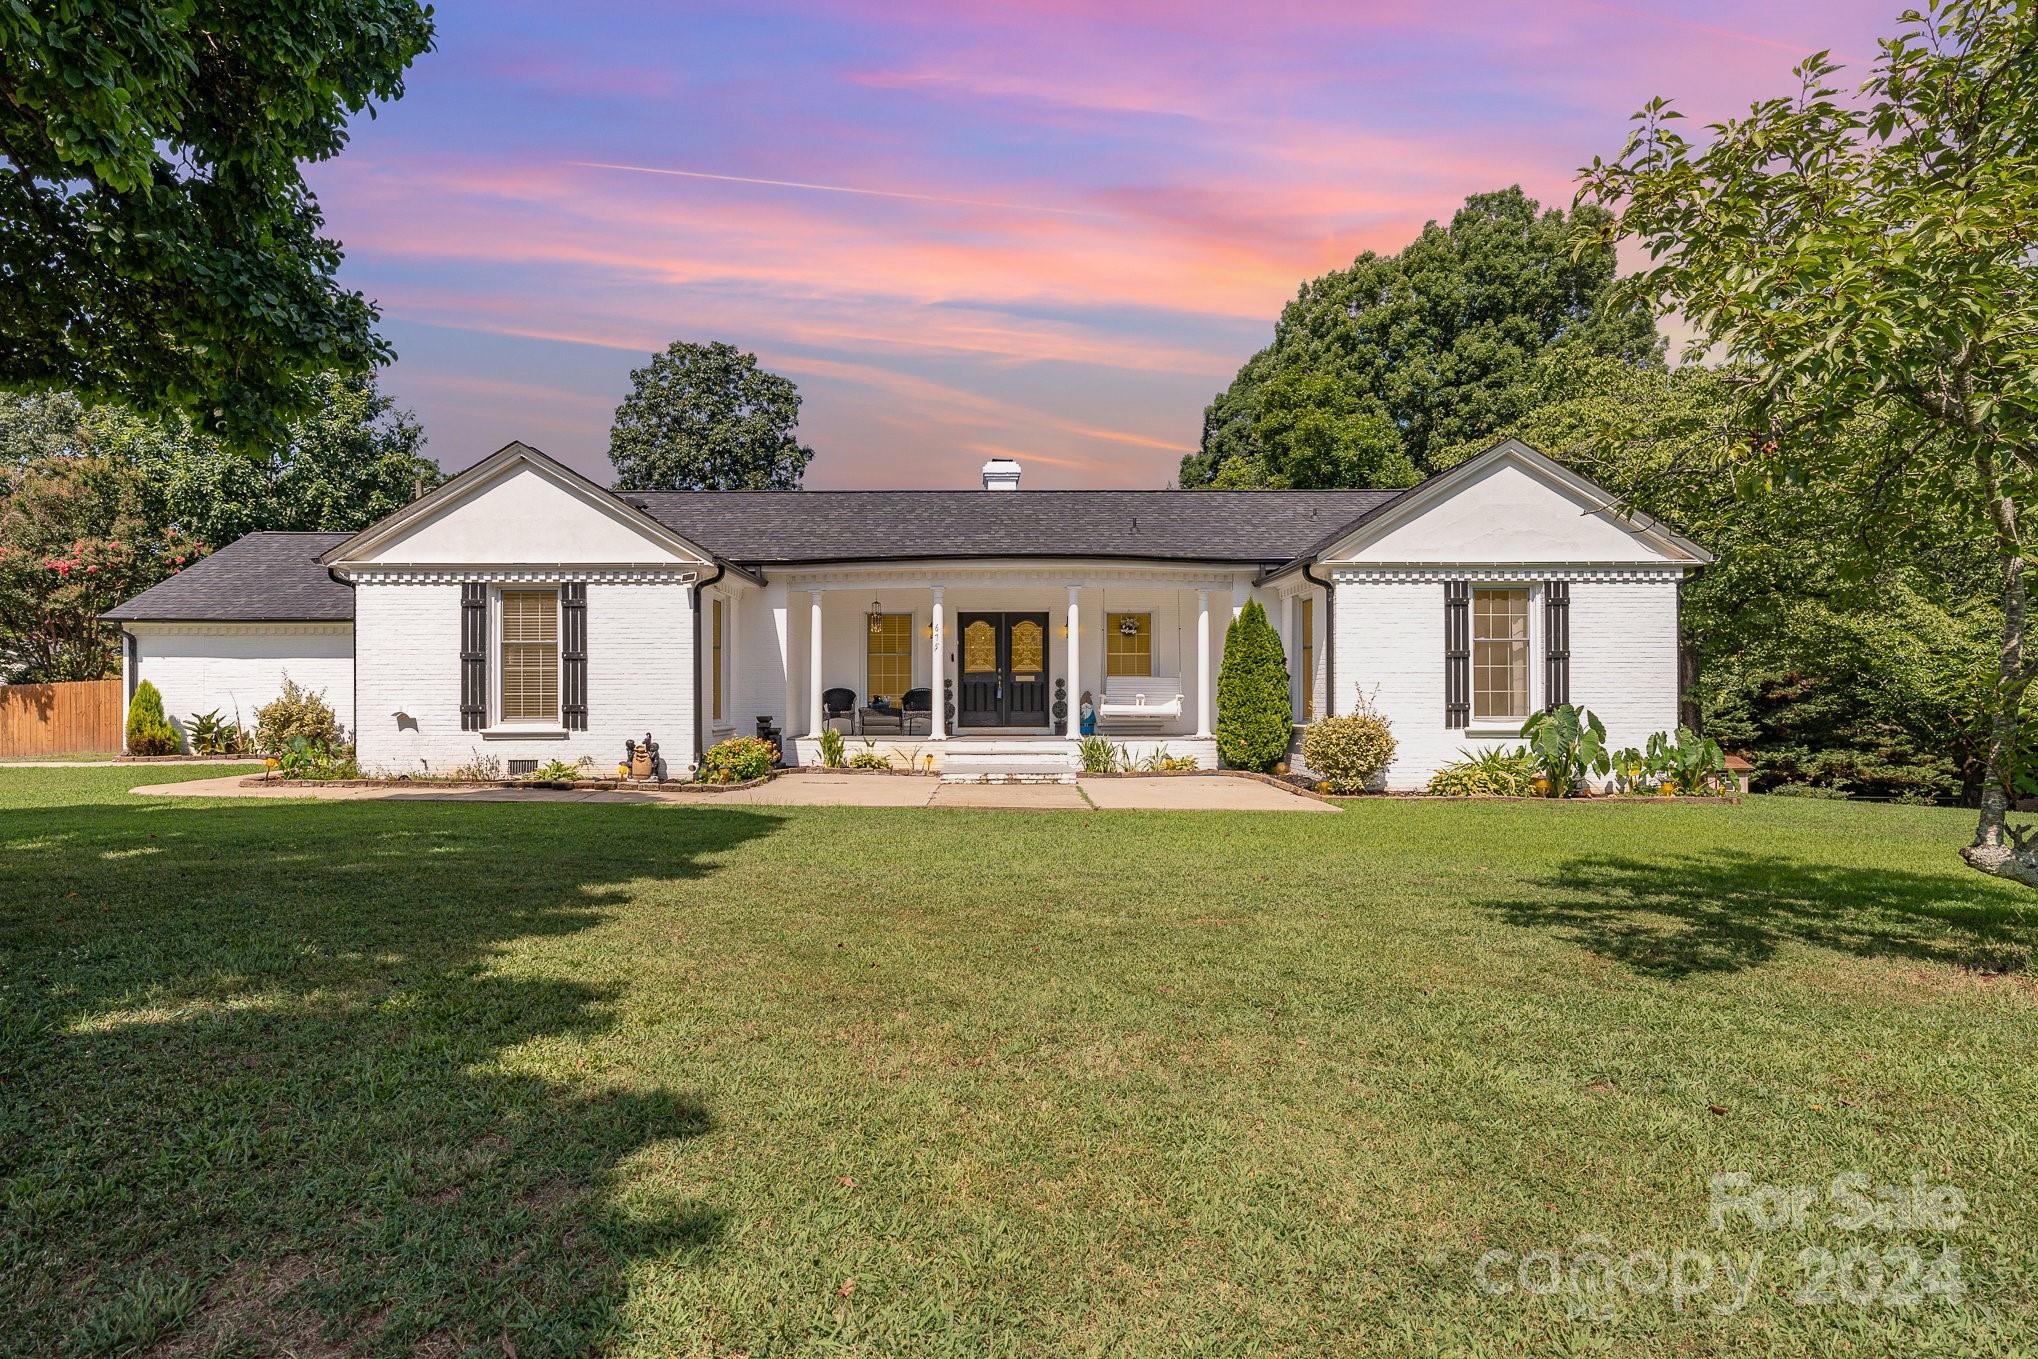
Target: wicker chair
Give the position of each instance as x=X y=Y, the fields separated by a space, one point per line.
x=918 y=705
x=839 y=705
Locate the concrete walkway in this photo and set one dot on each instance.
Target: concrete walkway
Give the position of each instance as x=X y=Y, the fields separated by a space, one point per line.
x=1212 y=793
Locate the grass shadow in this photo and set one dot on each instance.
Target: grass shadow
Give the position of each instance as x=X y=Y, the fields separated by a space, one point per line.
x=1727 y=911
x=256 y=1098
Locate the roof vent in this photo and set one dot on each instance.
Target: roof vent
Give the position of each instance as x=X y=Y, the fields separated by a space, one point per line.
x=1001 y=474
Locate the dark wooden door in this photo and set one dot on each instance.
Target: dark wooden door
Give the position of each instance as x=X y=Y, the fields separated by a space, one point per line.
x=980 y=670
x=1002 y=670
x=1026 y=682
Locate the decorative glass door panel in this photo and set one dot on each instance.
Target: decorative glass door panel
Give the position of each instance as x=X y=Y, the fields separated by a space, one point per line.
x=1003 y=678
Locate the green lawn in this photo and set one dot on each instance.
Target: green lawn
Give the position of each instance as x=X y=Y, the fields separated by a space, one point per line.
x=380 y=1078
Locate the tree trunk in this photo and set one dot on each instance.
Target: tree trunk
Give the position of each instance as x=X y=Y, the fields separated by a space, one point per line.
x=2000 y=849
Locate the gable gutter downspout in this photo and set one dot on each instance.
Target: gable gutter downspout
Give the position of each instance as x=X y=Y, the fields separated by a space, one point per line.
x=1329 y=639
x=700 y=710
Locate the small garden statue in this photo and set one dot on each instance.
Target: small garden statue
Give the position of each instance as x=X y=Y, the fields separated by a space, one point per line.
x=1086 y=720
x=643 y=757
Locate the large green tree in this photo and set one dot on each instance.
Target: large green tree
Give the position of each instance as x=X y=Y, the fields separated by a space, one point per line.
x=76 y=538
x=351 y=459
x=98 y=503
x=1374 y=366
x=1869 y=253
x=705 y=417
x=158 y=246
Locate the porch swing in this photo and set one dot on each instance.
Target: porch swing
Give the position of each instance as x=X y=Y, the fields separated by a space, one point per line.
x=1138 y=698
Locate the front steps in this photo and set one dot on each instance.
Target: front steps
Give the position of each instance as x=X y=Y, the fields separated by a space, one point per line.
x=1012 y=758
x=989 y=759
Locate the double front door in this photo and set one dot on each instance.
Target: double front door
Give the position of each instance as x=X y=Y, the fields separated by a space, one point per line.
x=1003 y=670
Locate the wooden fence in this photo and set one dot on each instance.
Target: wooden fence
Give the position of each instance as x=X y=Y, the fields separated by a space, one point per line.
x=83 y=718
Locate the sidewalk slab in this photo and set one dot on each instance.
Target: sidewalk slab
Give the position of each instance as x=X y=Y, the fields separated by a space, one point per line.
x=830 y=790
x=1191 y=793
x=1030 y=796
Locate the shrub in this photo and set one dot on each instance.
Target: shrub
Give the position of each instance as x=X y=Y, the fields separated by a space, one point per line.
x=868 y=758
x=297 y=714
x=1489 y=773
x=831 y=749
x=481 y=768
x=1350 y=751
x=1254 y=719
x=213 y=735
x=738 y=760
x=558 y=771
x=303 y=759
x=1099 y=756
x=148 y=731
x=1818 y=792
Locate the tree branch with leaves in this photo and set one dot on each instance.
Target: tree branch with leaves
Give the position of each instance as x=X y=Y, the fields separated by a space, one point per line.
x=1871 y=251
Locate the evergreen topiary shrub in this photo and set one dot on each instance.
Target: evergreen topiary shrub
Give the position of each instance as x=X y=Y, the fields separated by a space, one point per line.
x=1254 y=720
x=148 y=731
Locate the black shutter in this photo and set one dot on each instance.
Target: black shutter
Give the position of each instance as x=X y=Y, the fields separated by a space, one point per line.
x=1556 y=642
x=1457 y=654
x=473 y=655
x=573 y=657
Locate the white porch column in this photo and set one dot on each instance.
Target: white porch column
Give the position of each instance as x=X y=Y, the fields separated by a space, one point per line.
x=937 y=721
x=1072 y=724
x=1205 y=698
x=814 y=663
x=782 y=632
x=1296 y=679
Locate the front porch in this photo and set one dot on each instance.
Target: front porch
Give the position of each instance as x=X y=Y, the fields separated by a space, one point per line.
x=986 y=669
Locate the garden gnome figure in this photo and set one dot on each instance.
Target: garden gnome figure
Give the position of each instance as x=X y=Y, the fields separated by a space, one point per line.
x=1086 y=721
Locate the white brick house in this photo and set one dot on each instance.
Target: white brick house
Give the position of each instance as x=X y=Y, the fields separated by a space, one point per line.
x=523 y=612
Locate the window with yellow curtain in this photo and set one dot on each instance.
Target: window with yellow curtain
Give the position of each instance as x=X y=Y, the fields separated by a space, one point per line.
x=1500 y=654
x=889 y=661
x=718 y=660
x=1128 y=644
x=530 y=655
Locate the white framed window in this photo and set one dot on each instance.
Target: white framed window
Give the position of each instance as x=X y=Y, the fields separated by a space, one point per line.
x=888 y=657
x=1128 y=644
x=528 y=651
x=1503 y=667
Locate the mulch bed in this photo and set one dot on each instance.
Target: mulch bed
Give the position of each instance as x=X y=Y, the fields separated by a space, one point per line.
x=187 y=759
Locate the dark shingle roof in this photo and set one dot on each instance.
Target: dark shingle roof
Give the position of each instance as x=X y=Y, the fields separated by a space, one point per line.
x=277 y=577
x=262 y=578
x=808 y=526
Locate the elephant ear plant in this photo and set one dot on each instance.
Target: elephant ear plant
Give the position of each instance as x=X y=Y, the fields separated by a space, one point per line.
x=1568 y=746
x=1691 y=766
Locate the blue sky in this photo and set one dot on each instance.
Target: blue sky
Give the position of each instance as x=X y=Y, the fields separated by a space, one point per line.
x=1049 y=230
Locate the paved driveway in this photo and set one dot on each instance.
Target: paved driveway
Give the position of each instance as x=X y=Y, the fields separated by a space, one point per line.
x=1212 y=792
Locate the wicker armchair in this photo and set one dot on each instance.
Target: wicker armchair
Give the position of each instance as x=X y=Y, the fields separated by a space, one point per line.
x=839 y=705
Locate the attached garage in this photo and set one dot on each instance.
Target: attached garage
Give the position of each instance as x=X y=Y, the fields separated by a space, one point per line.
x=223 y=633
